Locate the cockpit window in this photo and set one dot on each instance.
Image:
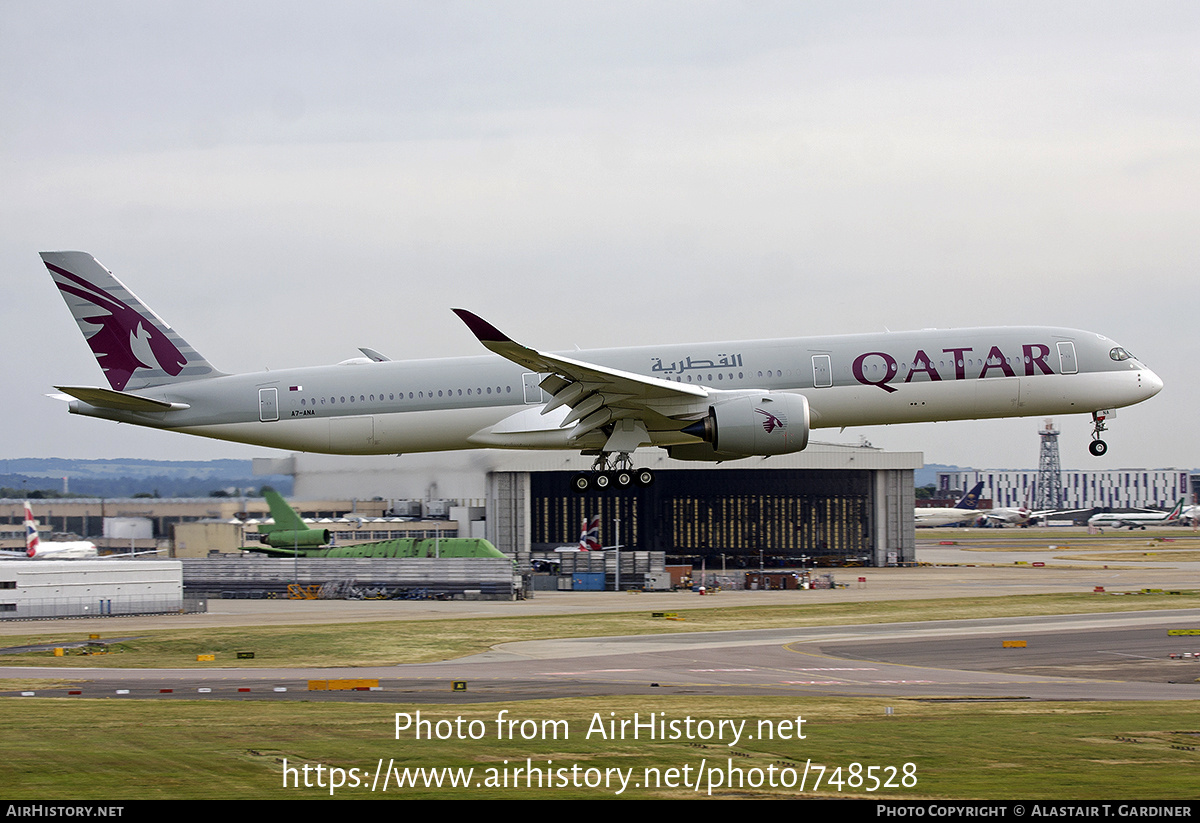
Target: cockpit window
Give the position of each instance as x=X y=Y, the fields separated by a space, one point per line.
x=1119 y=354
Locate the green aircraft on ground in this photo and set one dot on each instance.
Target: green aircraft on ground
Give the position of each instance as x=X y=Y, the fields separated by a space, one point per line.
x=288 y=536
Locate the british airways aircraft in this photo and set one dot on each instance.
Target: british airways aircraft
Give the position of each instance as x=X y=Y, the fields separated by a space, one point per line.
x=35 y=549
x=700 y=401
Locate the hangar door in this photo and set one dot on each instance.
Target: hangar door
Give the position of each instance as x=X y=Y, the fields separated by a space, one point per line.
x=783 y=512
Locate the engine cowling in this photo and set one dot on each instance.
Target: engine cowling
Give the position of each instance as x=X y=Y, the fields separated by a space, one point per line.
x=766 y=424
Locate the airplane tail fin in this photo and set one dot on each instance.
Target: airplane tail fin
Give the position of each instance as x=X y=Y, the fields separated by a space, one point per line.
x=32 y=542
x=589 y=540
x=284 y=515
x=1177 y=511
x=133 y=345
x=971 y=499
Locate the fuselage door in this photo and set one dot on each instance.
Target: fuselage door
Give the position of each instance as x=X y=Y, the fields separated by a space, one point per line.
x=1066 y=357
x=533 y=392
x=268 y=405
x=822 y=371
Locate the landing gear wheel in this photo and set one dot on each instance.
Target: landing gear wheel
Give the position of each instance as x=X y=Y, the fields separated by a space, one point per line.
x=603 y=479
x=644 y=477
x=623 y=478
x=580 y=483
x=1098 y=447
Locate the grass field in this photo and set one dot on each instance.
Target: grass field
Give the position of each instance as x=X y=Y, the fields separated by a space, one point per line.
x=112 y=749
x=115 y=750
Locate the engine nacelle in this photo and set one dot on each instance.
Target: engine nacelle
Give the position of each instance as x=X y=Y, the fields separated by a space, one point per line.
x=701 y=453
x=767 y=424
x=287 y=538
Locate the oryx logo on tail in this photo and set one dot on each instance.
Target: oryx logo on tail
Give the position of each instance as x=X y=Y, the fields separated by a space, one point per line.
x=124 y=340
x=132 y=344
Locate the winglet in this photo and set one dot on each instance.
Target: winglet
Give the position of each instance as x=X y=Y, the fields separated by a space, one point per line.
x=482 y=329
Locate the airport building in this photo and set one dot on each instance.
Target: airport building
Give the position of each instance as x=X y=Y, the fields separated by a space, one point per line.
x=89 y=588
x=831 y=502
x=1115 y=489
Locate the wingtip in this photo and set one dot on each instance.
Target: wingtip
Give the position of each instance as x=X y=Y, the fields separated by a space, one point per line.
x=482 y=329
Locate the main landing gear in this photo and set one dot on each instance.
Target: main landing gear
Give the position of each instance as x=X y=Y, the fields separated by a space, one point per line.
x=1098 y=447
x=619 y=474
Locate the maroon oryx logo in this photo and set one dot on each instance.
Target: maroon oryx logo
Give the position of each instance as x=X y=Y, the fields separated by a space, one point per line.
x=771 y=422
x=126 y=341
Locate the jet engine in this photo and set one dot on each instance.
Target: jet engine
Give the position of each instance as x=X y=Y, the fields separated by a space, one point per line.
x=287 y=538
x=765 y=424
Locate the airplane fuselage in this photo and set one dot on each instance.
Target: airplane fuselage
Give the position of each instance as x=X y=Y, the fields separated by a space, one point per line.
x=71 y=550
x=931 y=517
x=1008 y=517
x=487 y=401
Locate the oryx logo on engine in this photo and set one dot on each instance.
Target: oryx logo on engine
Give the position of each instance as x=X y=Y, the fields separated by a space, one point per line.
x=771 y=422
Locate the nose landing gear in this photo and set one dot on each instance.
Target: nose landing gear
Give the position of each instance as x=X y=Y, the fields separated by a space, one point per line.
x=1098 y=447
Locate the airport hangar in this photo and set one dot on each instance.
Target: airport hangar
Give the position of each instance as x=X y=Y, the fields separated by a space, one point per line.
x=830 y=502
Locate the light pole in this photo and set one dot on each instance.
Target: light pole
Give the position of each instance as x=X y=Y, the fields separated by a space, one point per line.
x=617 y=551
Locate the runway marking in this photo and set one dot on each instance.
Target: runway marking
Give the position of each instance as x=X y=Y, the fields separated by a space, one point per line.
x=1126 y=654
x=582 y=672
x=849 y=682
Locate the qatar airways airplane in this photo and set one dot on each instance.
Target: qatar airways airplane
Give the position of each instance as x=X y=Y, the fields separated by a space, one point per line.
x=699 y=401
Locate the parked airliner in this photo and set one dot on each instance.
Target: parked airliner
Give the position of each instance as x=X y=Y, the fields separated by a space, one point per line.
x=1137 y=520
x=35 y=549
x=1021 y=516
x=700 y=401
x=962 y=511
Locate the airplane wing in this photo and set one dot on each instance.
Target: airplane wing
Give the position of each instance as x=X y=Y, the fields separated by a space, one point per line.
x=597 y=395
x=1047 y=512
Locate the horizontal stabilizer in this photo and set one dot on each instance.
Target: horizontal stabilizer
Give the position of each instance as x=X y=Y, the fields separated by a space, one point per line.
x=122 y=401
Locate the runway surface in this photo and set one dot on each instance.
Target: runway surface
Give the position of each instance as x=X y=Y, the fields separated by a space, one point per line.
x=925 y=583
x=1122 y=656
x=1072 y=657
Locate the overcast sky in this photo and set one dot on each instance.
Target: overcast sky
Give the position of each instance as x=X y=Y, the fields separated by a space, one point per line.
x=286 y=181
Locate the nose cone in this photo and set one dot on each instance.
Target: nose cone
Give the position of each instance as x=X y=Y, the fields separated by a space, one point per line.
x=1151 y=383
